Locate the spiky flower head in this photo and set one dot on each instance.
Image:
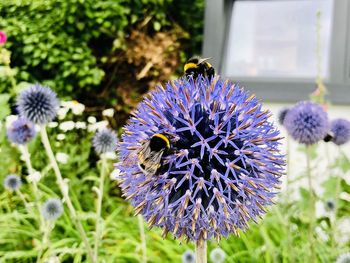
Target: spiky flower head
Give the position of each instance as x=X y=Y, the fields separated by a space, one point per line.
x=188 y=257
x=52 y=209
x=282 y=115
x=344 y=258
x=12 y=182
x=217 y=255
x=105 y=141
x=307 y=122
x=223 y=162
x=21 y=131
x=39 y=104
x=341 y=131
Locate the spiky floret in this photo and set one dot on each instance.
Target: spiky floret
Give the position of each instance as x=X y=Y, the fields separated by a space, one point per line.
x=105 y=141
x=188 y=257
x=341 y=131
x=21 y=131
x=12 y=182
x=38 y=104
x=52 y=209
x=307 y=122
x=223 y=165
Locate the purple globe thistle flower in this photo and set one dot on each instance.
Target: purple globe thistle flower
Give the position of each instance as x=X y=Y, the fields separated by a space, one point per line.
x=223 y=162
x=341 y=131
x=21 y=131
x=105 y=141
x=188 y=257
x=282 y=115
x=307 y=122
x=52 y=209
x=38 y=104
x=12 y=182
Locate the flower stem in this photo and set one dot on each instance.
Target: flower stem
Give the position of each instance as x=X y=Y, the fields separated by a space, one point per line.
x=64 y=190
x=99 y=205
x=46 y=241
x=26 y=156
x=312 y=205
x=201 y=251
x=143 y=238
x=20 y=194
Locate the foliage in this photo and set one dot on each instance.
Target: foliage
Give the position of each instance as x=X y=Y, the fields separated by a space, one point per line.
x=80 y=46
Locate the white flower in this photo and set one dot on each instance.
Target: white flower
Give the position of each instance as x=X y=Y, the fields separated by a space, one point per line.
x=52 y=124
x=97 y=126
x=10 y=119
x=53 y=259
x=110 y=155
x=62 y=157
x=343 y=230
x=108 y=112
x=115 y=174
x=62 y=112
x=34 y=177
x=61 y=136
x=77 y=108
x=67 y=125
x=80 y=125
x=91 y=119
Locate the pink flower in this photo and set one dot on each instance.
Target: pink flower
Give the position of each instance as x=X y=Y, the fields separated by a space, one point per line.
x=3 y=37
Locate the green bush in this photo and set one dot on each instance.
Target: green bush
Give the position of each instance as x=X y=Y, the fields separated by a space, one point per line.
x=66 y=43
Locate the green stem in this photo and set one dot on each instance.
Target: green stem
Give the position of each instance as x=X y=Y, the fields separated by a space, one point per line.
x=100 y=193
x=20 y=194
x=312 y=205
x=64 y=190
x=46 y=241
x=201 y=251
x=143 y=238
x=35 y=189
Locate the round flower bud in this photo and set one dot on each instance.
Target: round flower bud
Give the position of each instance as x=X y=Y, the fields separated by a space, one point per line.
x=105 y=141
x=12 y=182
x=21 y=131
x=38 y=104
x=52 y=209
x=341 y=131
x=307 y=122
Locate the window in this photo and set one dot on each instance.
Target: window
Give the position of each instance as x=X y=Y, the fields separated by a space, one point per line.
x=277 y=39
x=270 y=45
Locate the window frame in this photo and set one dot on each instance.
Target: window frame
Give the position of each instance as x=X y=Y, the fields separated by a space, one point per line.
x=216 y=27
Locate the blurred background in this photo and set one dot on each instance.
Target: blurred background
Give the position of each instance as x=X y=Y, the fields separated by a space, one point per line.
x=103 y=56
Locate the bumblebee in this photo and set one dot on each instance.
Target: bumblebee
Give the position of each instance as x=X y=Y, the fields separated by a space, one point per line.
x=151 y=153
x=199 y=66
x=329 y=137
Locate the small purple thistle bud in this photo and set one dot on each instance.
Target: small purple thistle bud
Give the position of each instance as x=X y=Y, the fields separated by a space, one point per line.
x=307 y=122
x=52 y=209
x=223 y=164
x=341 y=131
x=21 y=131
x=38 y=104
x=188 y=257
x=105 y=141
x=12 y=182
